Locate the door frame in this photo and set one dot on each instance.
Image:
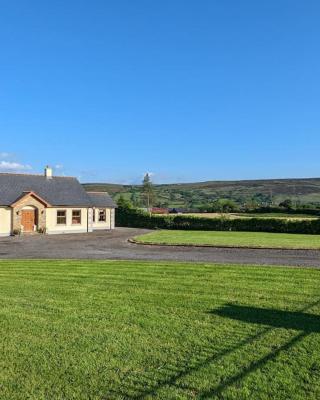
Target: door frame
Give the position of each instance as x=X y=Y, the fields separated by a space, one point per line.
x=33 y=210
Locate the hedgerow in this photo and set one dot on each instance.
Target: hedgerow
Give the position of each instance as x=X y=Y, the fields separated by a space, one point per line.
x=130 y=217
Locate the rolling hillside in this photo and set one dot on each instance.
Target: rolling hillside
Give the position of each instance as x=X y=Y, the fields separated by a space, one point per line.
x=192 y=195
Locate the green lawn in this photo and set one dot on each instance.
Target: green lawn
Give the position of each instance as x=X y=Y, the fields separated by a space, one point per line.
x=231 y=239
x=142 y=330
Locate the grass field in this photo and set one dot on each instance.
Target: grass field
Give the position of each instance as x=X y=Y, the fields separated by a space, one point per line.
x=139 y=330
x=275 y=215
x=254 y=215
x=232 y=239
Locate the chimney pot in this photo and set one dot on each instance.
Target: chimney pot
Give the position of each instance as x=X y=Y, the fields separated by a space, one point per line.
x=48 y=172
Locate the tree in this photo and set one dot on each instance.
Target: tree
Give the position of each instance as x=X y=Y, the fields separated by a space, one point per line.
x=134 y=198
x=223 y=206
x=123 y=203
x=251 y=204
x=286 y=204
x=148 y=191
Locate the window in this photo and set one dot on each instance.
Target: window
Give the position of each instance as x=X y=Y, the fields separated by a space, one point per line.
x=61 y=217
x=102 y=215
x=76 y=217
x=93 y=215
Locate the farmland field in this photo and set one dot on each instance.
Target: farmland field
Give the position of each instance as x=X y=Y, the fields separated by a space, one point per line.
x=275 y=215
x=253 y=215
x=231 y=239
x=146 y=330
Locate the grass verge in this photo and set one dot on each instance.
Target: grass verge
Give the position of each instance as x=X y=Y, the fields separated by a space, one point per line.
x=146 y=330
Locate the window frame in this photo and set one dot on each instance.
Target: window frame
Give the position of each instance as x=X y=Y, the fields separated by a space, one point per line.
x=60 y=216
x=79 y=216
x=104 y=211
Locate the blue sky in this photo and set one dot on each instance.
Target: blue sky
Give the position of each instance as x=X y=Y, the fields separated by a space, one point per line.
x=188 y=90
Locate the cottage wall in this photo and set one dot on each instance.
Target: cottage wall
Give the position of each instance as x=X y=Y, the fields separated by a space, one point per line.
x=5 y=221
x=108 y=223
x=69 y=227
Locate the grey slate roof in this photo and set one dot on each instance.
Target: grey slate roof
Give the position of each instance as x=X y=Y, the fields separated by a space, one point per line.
x=101 y=199
x=57 y=191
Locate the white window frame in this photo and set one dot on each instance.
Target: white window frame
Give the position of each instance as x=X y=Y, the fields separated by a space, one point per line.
x=65 y=216
x=80 y=216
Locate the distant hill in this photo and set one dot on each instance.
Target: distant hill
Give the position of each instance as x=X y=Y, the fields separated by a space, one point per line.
x=192 y=195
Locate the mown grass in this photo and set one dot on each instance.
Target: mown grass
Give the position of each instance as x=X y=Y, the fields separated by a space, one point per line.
x=142 y=330
x=231 y=239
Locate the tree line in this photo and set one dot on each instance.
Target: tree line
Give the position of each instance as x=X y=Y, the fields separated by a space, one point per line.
x=148 y=197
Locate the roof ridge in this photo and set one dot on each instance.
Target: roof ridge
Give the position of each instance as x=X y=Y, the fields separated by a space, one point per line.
x=97 y=192
x=26 y=174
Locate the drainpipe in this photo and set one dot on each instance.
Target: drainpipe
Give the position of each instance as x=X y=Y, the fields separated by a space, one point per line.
x=11 y=222
x=88 y=219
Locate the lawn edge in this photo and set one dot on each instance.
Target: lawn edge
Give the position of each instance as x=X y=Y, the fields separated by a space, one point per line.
x=134 y=241
x=162 y=261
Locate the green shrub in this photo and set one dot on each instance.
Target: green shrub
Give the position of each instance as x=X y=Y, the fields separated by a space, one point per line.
x=130 y=217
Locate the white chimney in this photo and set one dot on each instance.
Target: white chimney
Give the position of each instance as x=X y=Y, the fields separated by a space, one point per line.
x=48 y=172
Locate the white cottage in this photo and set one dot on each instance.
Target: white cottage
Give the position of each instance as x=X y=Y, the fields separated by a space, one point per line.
x=51 y=204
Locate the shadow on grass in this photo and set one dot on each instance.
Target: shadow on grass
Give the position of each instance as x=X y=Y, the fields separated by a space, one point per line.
x=299 y=321
x=252 y=367
x=303 y=323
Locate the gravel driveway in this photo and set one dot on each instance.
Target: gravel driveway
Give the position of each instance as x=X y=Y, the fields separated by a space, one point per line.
x=115 y=245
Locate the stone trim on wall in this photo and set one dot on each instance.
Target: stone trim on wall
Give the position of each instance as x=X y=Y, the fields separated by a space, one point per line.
x=26 y=201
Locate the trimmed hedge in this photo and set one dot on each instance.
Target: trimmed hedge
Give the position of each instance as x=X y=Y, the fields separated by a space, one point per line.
x=128 y=217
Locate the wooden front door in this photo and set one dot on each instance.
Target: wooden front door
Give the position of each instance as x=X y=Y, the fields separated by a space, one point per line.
x=28 y=220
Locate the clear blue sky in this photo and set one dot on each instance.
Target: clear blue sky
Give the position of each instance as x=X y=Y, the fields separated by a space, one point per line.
x=187 y=90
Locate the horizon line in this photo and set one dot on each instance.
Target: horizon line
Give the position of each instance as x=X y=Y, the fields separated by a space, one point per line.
x=203 y=182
